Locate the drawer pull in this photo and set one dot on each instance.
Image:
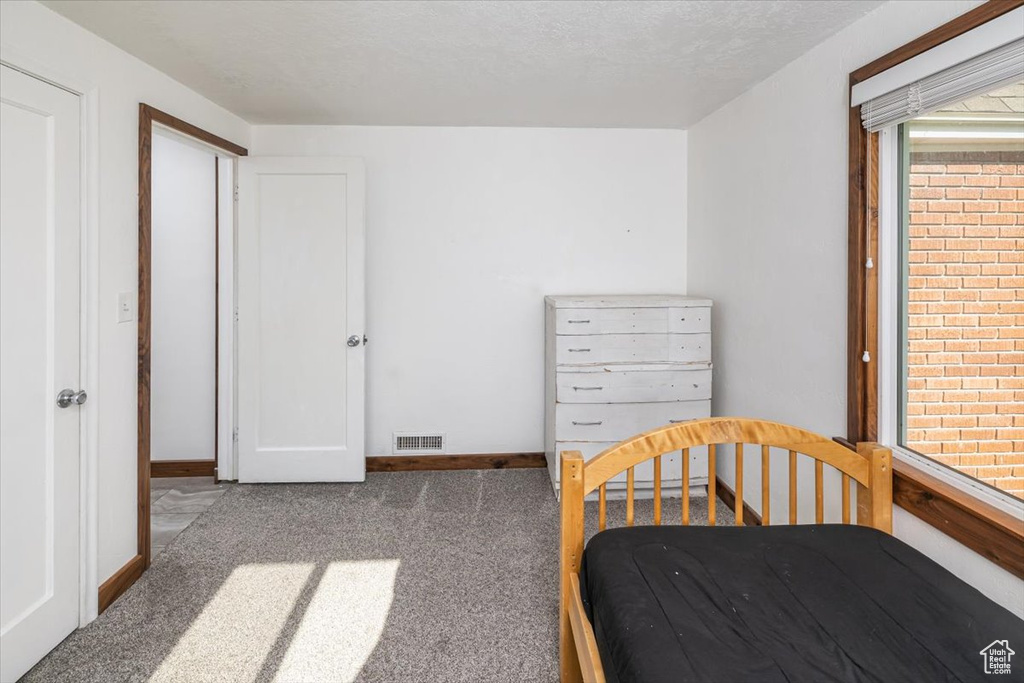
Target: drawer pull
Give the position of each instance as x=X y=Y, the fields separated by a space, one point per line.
x=675 y=422
x=579 y=321
x=588 y=388
x=579 y=350
x=587 y=424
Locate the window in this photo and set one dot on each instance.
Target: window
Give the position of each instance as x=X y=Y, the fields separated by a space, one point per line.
x=929 y=104
x=960 y=326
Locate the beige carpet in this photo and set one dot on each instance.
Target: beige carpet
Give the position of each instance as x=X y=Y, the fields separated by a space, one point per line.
x=422 y=576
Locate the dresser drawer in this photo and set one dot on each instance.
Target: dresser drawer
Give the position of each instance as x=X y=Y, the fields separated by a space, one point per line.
x=575 y=321
x=611 y=320
x=617 y=422
x=632 y=386
x=632 y=348
x=689 y=320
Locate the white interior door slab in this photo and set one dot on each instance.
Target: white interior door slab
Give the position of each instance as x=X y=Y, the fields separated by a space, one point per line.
x=40 y=267
x=301 y=246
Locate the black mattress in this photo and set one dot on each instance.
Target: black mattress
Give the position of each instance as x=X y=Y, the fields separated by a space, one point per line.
x=786 y=603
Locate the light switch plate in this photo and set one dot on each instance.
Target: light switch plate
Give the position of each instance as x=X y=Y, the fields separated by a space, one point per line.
x=125 y=307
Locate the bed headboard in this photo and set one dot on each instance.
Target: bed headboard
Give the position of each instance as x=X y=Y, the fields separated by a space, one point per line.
x=870 y=467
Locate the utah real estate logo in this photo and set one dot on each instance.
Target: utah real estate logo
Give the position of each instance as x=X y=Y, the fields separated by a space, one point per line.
x=997 y=657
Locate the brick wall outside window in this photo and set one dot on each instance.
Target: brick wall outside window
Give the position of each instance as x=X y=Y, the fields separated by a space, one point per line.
x=966 y=314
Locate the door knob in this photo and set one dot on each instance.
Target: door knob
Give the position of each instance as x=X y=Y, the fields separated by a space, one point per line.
x=70 y=397
x=354 y=340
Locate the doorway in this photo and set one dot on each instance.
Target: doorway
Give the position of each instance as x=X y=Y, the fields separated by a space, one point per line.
x=186 y=319
x=186 y=221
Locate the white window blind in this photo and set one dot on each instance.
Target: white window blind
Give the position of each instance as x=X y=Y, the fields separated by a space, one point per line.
x=974 y=76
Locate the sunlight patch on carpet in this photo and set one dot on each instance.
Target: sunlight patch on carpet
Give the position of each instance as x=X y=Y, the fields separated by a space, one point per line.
x=238 y=628
x=343 y=623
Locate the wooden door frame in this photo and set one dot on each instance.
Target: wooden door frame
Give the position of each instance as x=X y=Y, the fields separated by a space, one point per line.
x=147 y=117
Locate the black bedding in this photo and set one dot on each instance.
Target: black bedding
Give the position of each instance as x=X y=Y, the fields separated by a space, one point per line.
x=786 y=603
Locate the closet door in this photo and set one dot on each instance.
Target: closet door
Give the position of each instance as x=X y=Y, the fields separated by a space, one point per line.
x=41 y=397
x=301 y=319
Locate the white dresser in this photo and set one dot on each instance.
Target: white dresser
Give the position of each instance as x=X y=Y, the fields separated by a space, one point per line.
x=616 y=366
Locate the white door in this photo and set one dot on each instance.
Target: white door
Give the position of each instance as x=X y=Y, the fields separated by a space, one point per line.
x=39 y=357
x=301 y=312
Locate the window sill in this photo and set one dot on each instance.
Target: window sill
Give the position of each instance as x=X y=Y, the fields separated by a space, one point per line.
x=992 y=533
x=996 y=535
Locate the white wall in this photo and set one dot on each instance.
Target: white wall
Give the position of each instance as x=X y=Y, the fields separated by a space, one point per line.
x=184 y=307
x=467 y=230
x=767 y=241
x=40 y=41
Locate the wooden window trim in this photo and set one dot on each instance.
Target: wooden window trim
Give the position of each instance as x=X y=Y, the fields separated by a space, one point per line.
x=992 y=533
x=981 y=527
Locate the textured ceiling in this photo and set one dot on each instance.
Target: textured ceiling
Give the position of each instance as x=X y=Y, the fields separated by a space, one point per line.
x=579 y=64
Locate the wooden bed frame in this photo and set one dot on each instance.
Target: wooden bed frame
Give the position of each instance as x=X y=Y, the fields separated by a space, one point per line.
x=870 y=467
